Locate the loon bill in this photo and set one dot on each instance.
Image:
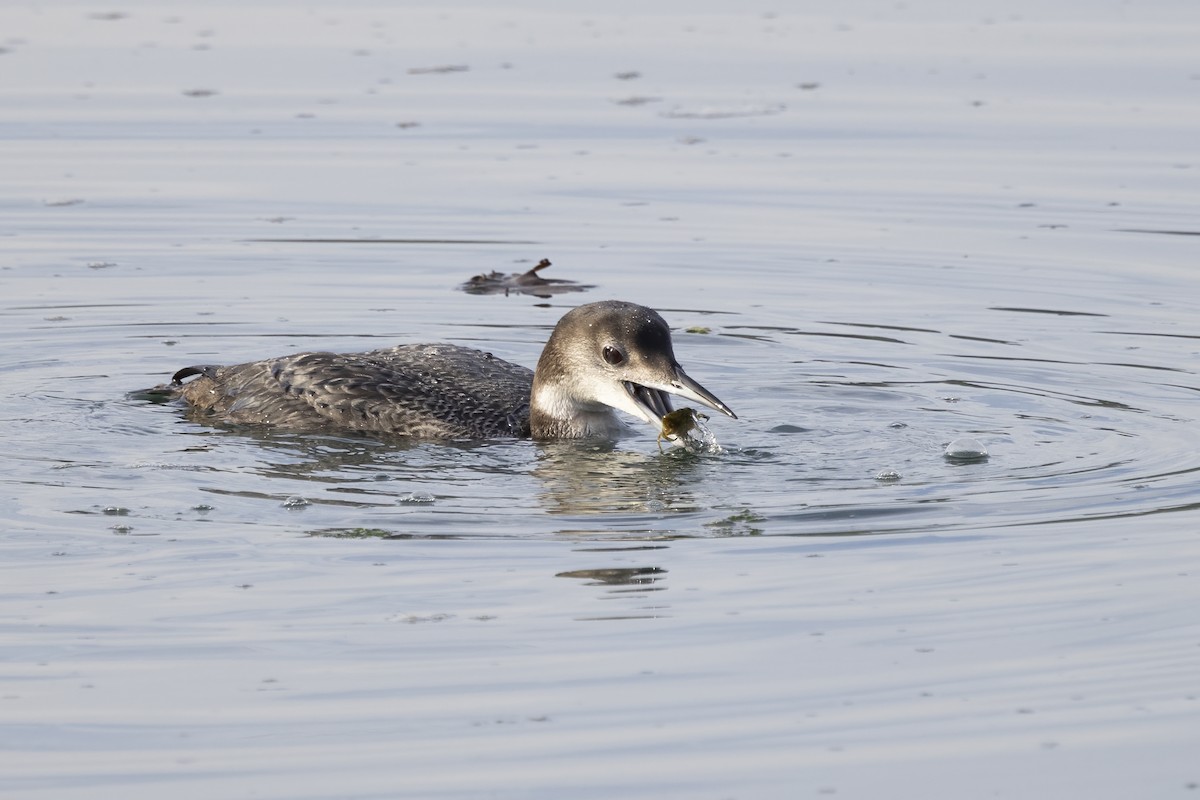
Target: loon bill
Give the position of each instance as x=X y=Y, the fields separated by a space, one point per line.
x=601 y=357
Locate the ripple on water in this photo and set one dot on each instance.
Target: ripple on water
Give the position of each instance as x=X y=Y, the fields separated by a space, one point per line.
x=833 y=443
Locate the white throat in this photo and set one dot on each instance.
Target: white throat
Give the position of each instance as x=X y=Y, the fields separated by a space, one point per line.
x=576 y=417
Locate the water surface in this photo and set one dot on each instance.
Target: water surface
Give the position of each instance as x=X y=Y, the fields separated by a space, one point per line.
x=897 y=226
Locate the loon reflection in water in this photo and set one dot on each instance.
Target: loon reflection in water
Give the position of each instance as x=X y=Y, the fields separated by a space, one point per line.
x=600 y=357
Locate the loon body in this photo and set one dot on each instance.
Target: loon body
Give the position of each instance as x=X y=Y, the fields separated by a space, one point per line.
x=600 y=358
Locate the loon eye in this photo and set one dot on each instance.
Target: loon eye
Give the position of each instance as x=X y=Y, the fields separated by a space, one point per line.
x=613 y=356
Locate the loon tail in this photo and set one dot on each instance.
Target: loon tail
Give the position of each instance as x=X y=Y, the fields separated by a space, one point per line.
x=208 y=370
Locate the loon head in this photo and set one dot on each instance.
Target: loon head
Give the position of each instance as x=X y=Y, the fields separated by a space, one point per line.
x=605 y=356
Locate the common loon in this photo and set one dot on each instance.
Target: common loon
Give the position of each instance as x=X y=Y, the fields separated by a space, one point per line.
x=600 y=357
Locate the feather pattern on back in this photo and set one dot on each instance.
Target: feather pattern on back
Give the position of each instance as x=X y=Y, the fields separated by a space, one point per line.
x=422 y=390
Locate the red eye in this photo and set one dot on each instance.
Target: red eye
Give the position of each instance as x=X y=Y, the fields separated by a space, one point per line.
x=613 y=356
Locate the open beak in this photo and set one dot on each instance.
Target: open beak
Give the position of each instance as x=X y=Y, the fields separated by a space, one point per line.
x=653 y=400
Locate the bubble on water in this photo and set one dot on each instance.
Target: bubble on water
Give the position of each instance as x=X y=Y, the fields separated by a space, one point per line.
x=121 y=530
x=966 y=449
x=414 y=498
x=115 y=511
x=296 y=501
x=887 y=476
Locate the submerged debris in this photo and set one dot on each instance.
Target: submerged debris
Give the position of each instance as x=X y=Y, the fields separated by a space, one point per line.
x=743 y=523
x=528 y=282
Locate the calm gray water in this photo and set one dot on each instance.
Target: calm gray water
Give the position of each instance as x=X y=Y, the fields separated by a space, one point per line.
x=874 y=228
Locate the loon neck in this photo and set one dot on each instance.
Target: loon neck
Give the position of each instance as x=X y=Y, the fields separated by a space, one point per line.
x=556 y=413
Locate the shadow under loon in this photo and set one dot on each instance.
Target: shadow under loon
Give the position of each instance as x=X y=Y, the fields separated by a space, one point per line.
x=601 y=357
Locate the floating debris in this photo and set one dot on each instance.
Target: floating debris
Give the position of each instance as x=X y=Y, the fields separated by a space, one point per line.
x=296 y=502
x=743 y=523
x=698 y=329
x=528 y=282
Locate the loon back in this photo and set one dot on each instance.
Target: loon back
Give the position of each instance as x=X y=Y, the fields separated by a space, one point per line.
x=436 y=391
